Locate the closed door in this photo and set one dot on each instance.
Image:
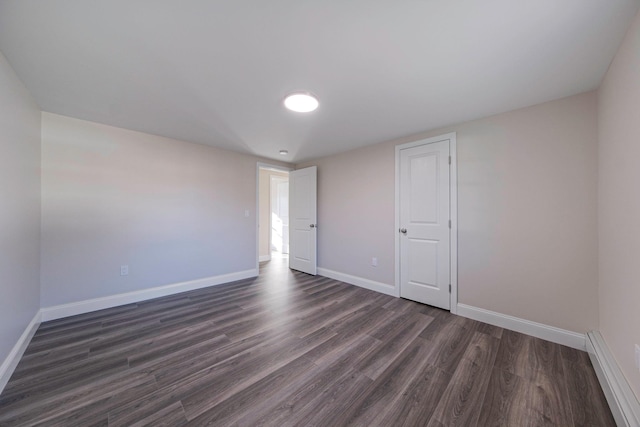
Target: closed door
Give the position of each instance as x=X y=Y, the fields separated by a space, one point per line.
x=302 y=220
x=424 y=224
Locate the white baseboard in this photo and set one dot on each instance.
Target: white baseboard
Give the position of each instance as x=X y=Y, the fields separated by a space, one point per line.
x=359 y=281
x=539 y=330
x=81 y=307
x=264 y=258
x=622 y=401
x=10 y=363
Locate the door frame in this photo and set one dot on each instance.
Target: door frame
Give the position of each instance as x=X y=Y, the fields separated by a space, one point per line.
x=262 y=165
x=453 y=212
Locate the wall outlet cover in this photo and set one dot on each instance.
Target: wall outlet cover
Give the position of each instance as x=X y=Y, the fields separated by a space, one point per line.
x=124 y=270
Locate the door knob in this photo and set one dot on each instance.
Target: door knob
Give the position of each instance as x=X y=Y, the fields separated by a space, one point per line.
x=403 y=230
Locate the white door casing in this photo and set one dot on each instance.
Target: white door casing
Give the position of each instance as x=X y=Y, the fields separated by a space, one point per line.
x=303 y=220
x=424 y=241
x=259 y=166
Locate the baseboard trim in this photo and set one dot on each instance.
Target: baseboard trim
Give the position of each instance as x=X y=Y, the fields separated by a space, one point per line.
x=10 y=363
x=372 y=285
x=264 y=258
x=622 y=401
x=539 y=330
x=81 y=307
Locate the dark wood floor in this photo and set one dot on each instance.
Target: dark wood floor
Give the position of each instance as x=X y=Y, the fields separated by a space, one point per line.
x=291 y=349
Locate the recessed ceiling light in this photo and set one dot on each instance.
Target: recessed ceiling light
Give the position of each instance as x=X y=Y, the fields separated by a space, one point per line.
x=284 y=152
x=301 y=102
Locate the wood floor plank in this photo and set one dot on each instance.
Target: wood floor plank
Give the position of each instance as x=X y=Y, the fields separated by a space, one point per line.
x=166 y=348
x=334 y=367
x=47 y=360
x=81 y=319
x=525 y=356
x=261 y=394
x=172 y=371
x=462 y=400
x=334 y=313
x=289 y=349
x=585 y=395
x=94 y=411
x=513 y=400
x=389 y=387
x=419 y=400
x=328 y=407
x=505 y=401
x=302 y=399
x=251 y=371
x=70 y=398
x=362 y=321
x=171 y=416
x=51 y=337
x=116 y=359
x=448 y=345
x=549 y=395
x=492 y=330
x=198 y=313
x=103 y=336
x=78 y=373
x=393 y=344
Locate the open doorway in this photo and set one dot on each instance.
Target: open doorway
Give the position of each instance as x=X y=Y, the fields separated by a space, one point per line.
x=279 y=212
x=273 y=213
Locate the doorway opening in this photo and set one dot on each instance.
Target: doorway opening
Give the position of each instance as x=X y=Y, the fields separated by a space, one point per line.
x=273 y=213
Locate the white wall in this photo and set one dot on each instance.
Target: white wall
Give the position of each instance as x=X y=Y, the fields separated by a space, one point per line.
x=19 y=208
x=172 y=211
x=619 y=204
x=526 y=206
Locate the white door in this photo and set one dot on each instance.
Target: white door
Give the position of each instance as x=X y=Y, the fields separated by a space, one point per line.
x=424 y=224
x=302 y=220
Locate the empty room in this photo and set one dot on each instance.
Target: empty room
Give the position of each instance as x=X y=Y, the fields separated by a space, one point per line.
x=363 y=213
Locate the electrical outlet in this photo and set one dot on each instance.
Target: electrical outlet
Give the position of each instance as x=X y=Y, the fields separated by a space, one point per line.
x=124 y=270
x=638 y=357
x=246 y=213
x=374 y=261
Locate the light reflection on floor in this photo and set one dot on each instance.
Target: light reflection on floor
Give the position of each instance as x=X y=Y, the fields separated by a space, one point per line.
x=277 y=292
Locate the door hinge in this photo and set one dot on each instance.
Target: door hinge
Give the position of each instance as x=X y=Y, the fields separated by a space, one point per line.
x=449 y=223
x=449 y=159
x=449 y=287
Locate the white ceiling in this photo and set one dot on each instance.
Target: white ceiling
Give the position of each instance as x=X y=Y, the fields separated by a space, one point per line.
x=215 y=72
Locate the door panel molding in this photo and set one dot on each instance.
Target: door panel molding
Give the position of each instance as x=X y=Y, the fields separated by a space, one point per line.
x=303 y=220
x=453 y=211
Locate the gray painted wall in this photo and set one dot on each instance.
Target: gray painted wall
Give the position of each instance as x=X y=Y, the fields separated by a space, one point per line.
x=619 y=204
x=527 y=203
x=172 y=211
x=19 y=208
